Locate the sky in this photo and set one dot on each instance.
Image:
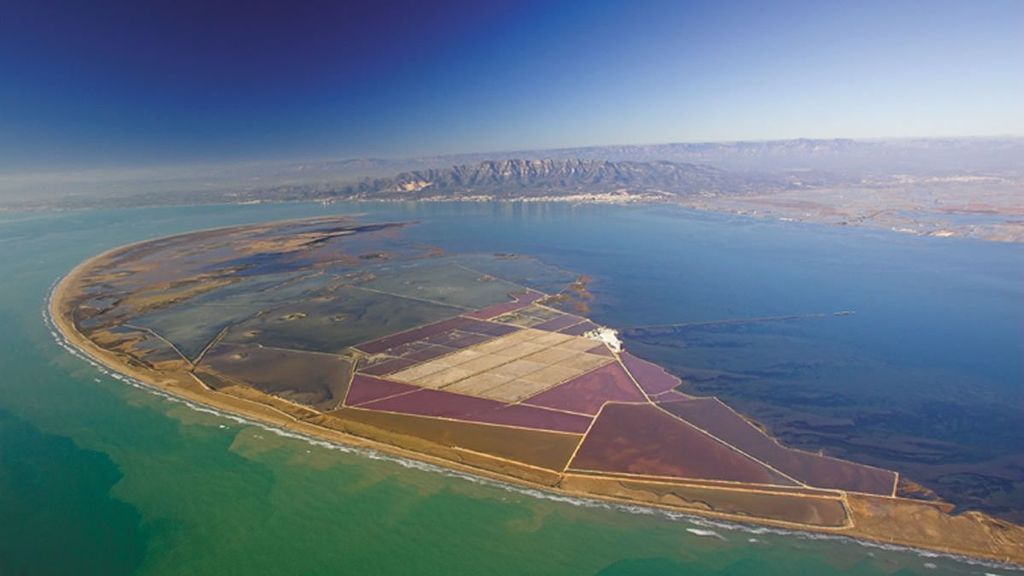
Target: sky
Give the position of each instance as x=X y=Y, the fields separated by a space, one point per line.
x=126 y=83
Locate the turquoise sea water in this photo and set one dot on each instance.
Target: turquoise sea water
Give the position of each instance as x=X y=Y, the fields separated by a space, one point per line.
x=97 y=477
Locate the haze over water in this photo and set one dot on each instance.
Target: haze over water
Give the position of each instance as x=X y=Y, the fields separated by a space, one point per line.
x=100 y=477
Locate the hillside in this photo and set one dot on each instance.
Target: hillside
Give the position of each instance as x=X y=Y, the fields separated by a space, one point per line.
x=508 y=179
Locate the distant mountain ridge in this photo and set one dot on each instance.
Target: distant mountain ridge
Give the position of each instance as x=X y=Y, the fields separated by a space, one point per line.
x=517 y=178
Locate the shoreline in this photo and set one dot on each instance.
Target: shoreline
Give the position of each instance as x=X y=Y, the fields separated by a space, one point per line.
x=185 y=387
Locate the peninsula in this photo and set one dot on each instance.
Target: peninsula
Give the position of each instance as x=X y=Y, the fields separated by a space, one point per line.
x=344 y=331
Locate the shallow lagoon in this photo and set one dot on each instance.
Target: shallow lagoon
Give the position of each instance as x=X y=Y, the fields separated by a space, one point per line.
x=166 y=489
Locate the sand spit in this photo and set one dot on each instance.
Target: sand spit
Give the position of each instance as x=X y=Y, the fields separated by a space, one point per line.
x=882 y=520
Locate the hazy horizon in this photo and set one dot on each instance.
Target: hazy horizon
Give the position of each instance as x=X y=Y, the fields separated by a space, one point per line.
x=999 y=153
x=496 y=154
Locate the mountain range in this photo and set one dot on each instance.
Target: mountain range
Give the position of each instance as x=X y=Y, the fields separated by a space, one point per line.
x=519 y=178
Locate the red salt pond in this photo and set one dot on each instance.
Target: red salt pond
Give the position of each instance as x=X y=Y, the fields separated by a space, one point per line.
x=442 y=404
x=718 y=419
x=426 y=402
x=367 y=389
x=641 y=439
x=587 y=393
x=556 y=324
x=579 y=329
x=389 y=366
x=537 y=418
x=651 y=377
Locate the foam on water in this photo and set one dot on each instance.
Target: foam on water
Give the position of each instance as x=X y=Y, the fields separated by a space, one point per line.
x=706 y=533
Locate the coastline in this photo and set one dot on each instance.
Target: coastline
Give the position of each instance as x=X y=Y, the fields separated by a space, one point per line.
x=870 y=522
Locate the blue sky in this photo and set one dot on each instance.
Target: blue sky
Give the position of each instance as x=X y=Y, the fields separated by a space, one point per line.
x=119 y=83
